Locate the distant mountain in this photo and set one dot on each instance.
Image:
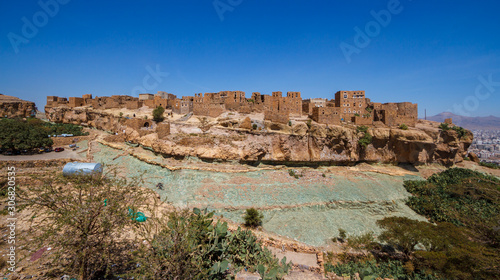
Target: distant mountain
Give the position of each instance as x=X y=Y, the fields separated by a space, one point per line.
x=485 y=123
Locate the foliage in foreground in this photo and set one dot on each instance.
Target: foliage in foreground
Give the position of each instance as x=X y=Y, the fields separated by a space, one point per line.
x=85 y=218
x=372 y=269
x=191 y=245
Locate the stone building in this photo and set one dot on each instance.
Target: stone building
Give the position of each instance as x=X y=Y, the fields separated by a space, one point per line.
x=352 y=103
x=183 y=106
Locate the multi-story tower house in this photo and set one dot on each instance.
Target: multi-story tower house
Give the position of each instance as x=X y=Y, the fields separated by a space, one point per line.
x=350 y=104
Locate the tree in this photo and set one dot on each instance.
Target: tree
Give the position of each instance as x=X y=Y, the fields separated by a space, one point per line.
x=253 y=218
x=18 y=134
x=84 y=217
x=158 y=114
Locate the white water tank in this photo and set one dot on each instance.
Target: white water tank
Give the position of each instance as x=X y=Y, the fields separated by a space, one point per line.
x=82 y=168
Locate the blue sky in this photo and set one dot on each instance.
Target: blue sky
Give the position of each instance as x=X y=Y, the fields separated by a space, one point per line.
x=443 y=55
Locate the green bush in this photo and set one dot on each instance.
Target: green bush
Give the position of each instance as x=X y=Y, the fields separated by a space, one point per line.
x=253 y=218
x=460 y=130
x=365 y=140
x=403 y=126
x=444 y=126
x=254 y=126
x=158 y=114
x=292 y=173
x=489 y=165
x=362 y=128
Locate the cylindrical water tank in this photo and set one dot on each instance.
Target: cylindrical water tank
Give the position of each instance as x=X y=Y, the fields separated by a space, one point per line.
x=82 y=168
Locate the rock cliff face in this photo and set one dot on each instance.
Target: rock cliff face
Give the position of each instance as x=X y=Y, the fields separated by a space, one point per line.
x=13 y=107
x=299 y=143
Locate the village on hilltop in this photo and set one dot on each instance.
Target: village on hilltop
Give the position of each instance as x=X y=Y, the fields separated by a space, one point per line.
x=347 y=107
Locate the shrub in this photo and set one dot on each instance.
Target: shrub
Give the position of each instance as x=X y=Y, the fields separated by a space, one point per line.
x=489 y=165
x=191 y=245
x=365 y=140
x=289 y=123
x=362 y=128
x=158 y=114
x=121 y=114
x=356 y=115
x=444 y=126
x=85 y=218
x=292 y=173
x=403 y=126
x=461 y=131
x=342 y=234
x=254 y=126
x=253 y=218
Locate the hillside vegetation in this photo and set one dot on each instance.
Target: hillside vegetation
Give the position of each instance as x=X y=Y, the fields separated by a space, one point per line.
x=460 y=242
x=32 y=133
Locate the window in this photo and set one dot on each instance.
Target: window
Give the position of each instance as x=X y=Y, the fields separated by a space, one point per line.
x=345 y=95
x=359 y=104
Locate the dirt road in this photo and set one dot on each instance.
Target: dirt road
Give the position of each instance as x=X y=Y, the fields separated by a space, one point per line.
x=45 y=156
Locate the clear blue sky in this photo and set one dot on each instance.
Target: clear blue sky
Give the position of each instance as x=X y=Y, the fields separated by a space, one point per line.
x=429 y=52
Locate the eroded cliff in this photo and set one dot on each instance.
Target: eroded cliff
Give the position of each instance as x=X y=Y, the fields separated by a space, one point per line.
x=285 y=144
x=13 y=107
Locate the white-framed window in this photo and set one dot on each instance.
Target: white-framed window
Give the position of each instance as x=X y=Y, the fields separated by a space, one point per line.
x=345 y=95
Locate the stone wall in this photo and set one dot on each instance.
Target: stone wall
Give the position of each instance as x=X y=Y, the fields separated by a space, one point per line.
x=276 y=117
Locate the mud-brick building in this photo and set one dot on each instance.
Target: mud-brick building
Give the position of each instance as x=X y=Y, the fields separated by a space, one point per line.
x=352 y=103
x=394 y=114
x=56 y=101
x=183 y=106
x=309 y=104
x=289 y=105
x=210 y=104
x=326 y=115
x=233 y=100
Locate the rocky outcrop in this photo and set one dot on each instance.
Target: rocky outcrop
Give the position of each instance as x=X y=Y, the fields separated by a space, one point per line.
x=13 y=107
x=299 y=143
